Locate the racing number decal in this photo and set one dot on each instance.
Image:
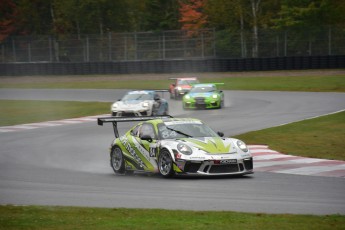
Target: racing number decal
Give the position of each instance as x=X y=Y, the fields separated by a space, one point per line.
x=152 y=150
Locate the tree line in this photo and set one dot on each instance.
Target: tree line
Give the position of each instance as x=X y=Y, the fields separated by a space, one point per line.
x=76 y=17
x=59 y=17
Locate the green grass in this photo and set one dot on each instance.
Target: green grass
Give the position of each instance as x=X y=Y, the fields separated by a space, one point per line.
x=297 y=83
x=20 y=112
x=35 y=217
x=321 y=137
x=291 y=83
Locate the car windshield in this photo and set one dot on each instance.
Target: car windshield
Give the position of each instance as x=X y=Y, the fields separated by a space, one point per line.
x=188 y=82
x=183 y=129
x=137 y=96
x=203 y=89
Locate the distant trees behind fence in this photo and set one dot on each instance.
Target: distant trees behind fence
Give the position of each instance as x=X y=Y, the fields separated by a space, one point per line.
x=173 y=45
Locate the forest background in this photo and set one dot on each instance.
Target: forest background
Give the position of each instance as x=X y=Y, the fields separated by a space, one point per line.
x=61 y=17
x=240 y=27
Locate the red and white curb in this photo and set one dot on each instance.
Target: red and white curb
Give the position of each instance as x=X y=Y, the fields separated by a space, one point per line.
x=267 y=160
x=5 y=129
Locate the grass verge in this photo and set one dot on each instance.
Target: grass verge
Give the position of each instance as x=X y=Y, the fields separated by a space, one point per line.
x=36 y=217
x=262 y=83
x=321 y=137
x=15 y=112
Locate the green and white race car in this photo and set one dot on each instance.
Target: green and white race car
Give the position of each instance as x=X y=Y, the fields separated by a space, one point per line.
x=204 y=96
x=172 y=146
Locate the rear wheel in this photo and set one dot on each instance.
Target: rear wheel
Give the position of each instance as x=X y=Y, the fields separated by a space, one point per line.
x=117 y=160
x=165 y=164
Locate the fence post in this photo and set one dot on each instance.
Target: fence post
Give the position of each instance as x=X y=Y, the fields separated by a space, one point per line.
x=14 y=50
x=329 y=41
x=50 y=49
x=2 y=52
x=202 y=44
x=277 y=40
x=163 y=46
x=29 y=49
x=87 y=48
x=214 y=42
x=109 y=46
x=136 y=45
x=285 y=43
x=125 y=48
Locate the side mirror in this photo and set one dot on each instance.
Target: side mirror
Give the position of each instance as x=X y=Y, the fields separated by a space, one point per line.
x=220 y=134
x=156 y=97
x=146 y=138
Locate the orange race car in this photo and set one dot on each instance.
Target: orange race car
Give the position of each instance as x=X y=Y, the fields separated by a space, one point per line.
x=181 y=86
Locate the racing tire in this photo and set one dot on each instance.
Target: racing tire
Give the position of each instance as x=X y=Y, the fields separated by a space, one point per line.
x=176 y=95
x=117 y=160
x=221 y=104
x=165 y=164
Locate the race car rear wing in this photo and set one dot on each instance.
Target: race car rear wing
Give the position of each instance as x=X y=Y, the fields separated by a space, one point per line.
x=114 y=120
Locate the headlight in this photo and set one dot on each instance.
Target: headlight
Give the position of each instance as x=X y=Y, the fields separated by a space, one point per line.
x=114 y=106
x=179 y=88
x=187 y=97
x=214 y=96
x=184 y=149
x=242 y=146
x=145 y=104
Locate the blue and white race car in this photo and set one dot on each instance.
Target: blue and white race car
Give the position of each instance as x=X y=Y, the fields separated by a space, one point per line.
x=140 y=103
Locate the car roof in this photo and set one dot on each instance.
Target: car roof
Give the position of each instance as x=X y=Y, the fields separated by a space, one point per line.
x=204 y=85
x=187 y=78
x=174 y=120
x=140 y=92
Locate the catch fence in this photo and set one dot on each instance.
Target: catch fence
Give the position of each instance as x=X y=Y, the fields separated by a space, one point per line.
x=172 y=45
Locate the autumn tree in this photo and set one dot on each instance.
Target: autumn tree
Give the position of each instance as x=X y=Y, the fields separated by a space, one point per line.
x=8 y=12
x=192 y=15
x=160 y=15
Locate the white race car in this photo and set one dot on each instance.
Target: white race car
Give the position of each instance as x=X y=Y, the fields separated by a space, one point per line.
x=140 y=103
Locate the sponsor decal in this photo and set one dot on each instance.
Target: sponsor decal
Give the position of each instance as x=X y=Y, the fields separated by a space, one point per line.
x=197 y=158
x=211 y=145
x=131 y=151
x=222 y=162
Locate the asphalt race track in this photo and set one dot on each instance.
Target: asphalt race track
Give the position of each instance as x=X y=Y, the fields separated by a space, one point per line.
x=69 y=164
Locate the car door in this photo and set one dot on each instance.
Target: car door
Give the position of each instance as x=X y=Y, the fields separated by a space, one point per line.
x=145 y=145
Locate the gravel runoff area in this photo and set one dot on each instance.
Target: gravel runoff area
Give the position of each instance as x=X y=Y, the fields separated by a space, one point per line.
x=154 y=76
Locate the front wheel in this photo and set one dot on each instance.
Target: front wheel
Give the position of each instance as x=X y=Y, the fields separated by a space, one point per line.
x=165 y=164
x=221 y=104
x=117 y=160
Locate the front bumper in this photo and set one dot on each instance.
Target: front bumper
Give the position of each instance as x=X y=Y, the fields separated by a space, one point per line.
x=132 y=113
x=201 y=103
x=212 y=168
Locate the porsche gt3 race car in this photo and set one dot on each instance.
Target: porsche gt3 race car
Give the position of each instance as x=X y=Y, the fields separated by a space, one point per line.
x=141 y=103
x=176 y=146
x=181 y=86
x=204 y=96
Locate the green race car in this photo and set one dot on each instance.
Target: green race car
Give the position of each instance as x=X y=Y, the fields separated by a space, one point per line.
x=171 y=146
x=204 y=96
